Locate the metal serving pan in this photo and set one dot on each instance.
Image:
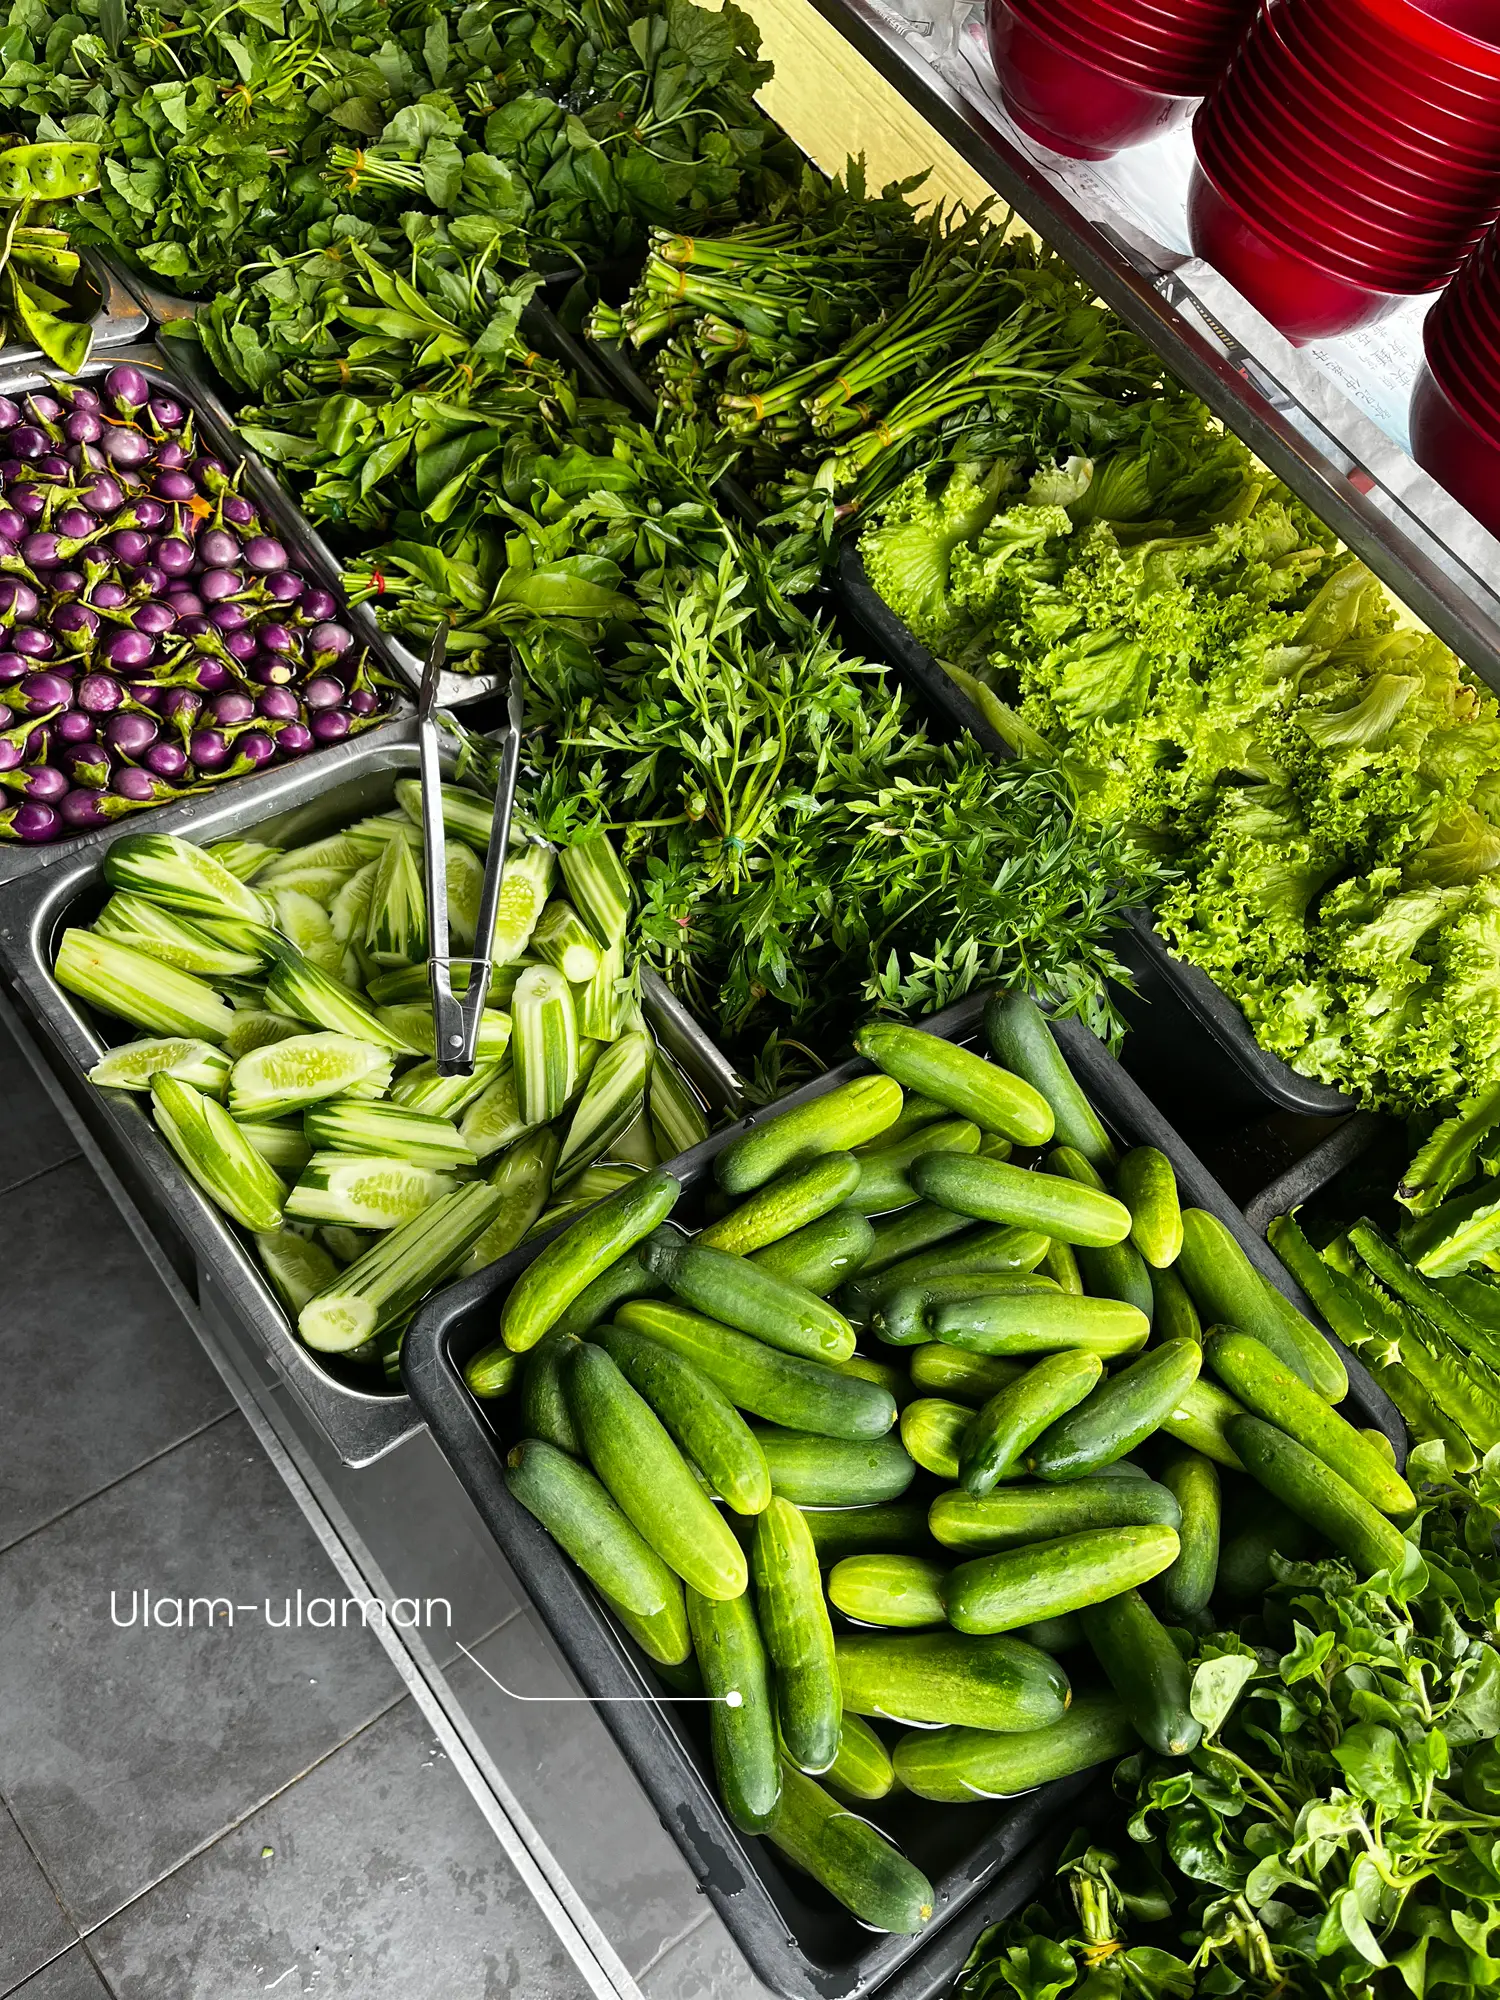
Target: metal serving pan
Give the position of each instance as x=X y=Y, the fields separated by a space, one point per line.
x=117 y=319
x=295 y=803
x=797 y=1939
x=306 y=550
x=892 y=639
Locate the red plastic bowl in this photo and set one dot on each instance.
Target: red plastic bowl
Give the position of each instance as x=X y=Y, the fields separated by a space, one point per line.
x=1391 y=153
x=1437 y=48
x=1473 y=301
x=1382 y=102
x=1453 y=447
x=1067 y=103
x=1304 y=217
x=1304 y=300
x=1370 y=193
x=1141 y=29
x=1136 y=63
x=1469 y=373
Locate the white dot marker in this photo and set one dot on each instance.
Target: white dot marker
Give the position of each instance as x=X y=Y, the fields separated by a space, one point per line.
x=734 y=1699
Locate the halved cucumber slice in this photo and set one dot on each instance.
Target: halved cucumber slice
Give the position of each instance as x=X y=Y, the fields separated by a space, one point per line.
x=301 y=1070
x=132 y=1066
x=310 y=929
x=365 y=1191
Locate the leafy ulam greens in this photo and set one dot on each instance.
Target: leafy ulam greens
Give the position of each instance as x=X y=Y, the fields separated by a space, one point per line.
x=1220 y=677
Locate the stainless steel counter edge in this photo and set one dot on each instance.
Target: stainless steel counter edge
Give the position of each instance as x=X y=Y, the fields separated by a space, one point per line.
x=361 y=1424
x=1437 y=598
x=308 y=547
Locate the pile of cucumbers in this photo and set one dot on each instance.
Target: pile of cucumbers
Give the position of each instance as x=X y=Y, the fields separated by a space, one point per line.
x=942 y=1387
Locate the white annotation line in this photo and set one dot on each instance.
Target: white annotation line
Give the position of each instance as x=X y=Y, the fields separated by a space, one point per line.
x=734 y=1699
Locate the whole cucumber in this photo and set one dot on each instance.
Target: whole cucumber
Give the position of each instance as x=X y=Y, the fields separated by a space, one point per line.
x=823 y=1255
x=992 y=1250
x=911 y=1232
x=890 y=1525
x=1018 y=1033
x=646 y=1475
x=994 y=1098
x=1145 y=1670
x=1117 y=1271
x=963 y=1378
x=901 y=1591
x=862 y=1770
x=996 y=1191
x=1188 y=1585
x=545 y=1412
x=790 y=1202
x=1148 y=1187
x=1013 y=1516
x=1061 y=1265
x=836 y=1122
x=707 y=1427
x=957 y=1766
x=1018 y=1586
x=1012 y=1420
x=798 y=1636
x=744 y=1295
x=732 y=1659
x=560 y=1271
x=783 y=1388
x=814 y=1471
x=1199 y=1421
x=1228 y=1291
x=626 y=1279
x=1121 y=1412
x=988 y=1683
x=1174 y=1316
x=932 y=1430
x=586 y=1524
x=1035 y=1323
x=1268 y=1388
x=902 y=1316
x=854 y=1863
x=1314 y=1490
x=883 y=1184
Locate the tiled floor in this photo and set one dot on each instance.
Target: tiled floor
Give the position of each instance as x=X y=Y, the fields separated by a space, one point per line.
x=219 y=1810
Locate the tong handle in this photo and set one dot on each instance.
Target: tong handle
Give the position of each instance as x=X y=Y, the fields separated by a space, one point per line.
x=456 y=1021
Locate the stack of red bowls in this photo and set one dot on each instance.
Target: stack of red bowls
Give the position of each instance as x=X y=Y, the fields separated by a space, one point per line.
x=1350 y=157
x=1455 y=407
x=1090 y=77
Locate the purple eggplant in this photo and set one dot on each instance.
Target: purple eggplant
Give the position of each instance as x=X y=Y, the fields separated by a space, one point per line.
x=331 y=725
x=32 y=641
x=125 y=450
x=127 y=390
x=168 y=760
x=32 y=821
x=131 y=735
x=129 y=649
x=74 y=725
x=284 y=586
x=279 y=704
x=218 y=549
x=215 y=585
x=265 y=554
x=209 y=749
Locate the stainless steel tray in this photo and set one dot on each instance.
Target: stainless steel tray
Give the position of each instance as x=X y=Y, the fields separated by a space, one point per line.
x=309 y=551
x=118 y=320
x=295 y=803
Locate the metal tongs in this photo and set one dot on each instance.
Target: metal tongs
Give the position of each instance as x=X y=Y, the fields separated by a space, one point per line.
x=456 y=1021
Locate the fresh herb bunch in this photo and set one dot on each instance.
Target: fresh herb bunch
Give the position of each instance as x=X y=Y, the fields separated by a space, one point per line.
x=473 y=483
x=547 y=134
x=847 y=340
x=1337 y=1831
x=805 y=846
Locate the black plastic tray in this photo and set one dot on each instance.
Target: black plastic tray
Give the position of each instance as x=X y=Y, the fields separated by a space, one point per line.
x=1365 y=1157
x=891 y=639
x=796 y=1938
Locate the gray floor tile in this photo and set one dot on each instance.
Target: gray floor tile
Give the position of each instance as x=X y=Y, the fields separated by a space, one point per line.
x=122 y=1748
x=580 y=1793
x=35 y=1136
x=705 y=1965
x=32 y=1926
x=71 y=1977
x=101 y=1370
x=382 y=1880
x=410 y=1507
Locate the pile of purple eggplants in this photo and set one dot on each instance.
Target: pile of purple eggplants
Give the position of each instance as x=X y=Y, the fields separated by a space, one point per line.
x=154 y=638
